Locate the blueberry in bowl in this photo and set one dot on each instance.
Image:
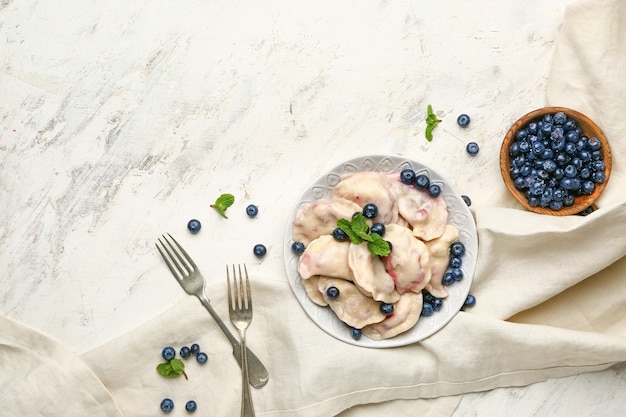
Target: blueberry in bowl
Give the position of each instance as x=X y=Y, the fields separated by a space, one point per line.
x=555 y=161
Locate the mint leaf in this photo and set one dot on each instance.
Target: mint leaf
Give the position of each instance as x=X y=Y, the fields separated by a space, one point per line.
x=172 y=368
x=346 y=226
x=378 y=246
x=222 y=203
x=431 y=123
x=360 y=227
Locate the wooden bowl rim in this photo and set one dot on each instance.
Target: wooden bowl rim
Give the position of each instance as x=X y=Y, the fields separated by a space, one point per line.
x=590 y=128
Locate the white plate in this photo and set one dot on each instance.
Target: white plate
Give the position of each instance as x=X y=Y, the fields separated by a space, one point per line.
x=459 y=215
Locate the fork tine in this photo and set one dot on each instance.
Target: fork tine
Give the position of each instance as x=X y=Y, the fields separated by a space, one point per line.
x=248 y=292
x=169 y=259
x=186 y=258
x=230 y=297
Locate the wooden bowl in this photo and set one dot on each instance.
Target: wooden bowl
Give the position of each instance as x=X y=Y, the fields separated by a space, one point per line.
x=589 y=129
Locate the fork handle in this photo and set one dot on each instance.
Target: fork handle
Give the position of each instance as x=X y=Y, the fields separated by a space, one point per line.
x=247 y=409
x=257 y=372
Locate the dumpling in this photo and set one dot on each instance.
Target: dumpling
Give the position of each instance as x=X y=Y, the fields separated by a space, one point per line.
x=311 y=287
x=369 y=275
x=406 y=312
x=352 y=307
x=370 y=187
x=320 y=217
x=439 y=259
x=408 y=264
x=325 y=256
x=428 y=216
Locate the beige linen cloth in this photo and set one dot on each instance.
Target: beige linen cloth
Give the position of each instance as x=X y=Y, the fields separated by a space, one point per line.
x=535 y=319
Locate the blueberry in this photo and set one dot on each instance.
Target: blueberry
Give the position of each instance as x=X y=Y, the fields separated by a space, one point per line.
x=455 y=262
x=587 y=187
x=457 y=274
x=185 y=352
x=559 y=118
x=447 y=278
x=332 y=292
x=434 y=190
x=598 y=177
x=427 y=310
x=202 y=357
x=437 y=304
x=556 y=205
x=167 y=405
x=355 y=333
x=470 y=301
x=422 y=181
x=378 y=228
x=195 y=348
x=463 y=120
x=386 y=309
x=259 y=250
x=252 y=210
x=598 y=165
x=457 y=249
x=472 y=148
x=297 y=247
x=467 y=200
x=339 y=234
x=168 y=353
x=194 y=226
x=370 y=210
x=587 y=211
x=593 y=144
x=191 y=406
x=407 y=176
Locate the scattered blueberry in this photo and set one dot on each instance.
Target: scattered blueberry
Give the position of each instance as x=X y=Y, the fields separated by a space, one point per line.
x=457 y=274
x=252 y=210
x=297 y=247
x=378 y=228
x=194 y=226
x=586 y=211
x=370 y=210
x=167 y=405
x=463 y=120
x=457 y=249
x=422 y=181
x=472 y=148
x=168 y=353
x=427 y=310
x=185 y=352
x=355 y=333
x=434 y=190
x=202 y=357
x=455 y=262
x=332 y=292
x=437 y=304
x=191 y=406
x=259 y=250
x=407 y=176
x=448 y=278
x=339 y=234
x=195 y=348
x=467 y=200
x=470 y=301
x=386 y=309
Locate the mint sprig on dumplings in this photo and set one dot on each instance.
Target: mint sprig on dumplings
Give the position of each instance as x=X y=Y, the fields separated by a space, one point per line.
x=357 y=231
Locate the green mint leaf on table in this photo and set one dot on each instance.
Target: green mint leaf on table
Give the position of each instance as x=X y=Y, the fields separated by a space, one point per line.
x=172 y=368
x=431 y=123
x=357 y=231
x=222 y=203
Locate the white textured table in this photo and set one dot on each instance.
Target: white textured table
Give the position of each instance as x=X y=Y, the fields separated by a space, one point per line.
x=122 y=120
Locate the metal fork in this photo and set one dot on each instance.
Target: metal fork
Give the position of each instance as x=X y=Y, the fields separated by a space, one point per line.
x=188 y=276
x=240 y=309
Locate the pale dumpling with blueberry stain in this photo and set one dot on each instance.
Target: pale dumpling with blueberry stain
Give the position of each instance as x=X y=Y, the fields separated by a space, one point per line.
x=370 y=276
x=325 y=256
x=427 y=215
x=408 y=264
x=369 y=187
x=406 y=313
x=311 y=287
x=351 y=306
x=319 y=217
x=439 y=259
